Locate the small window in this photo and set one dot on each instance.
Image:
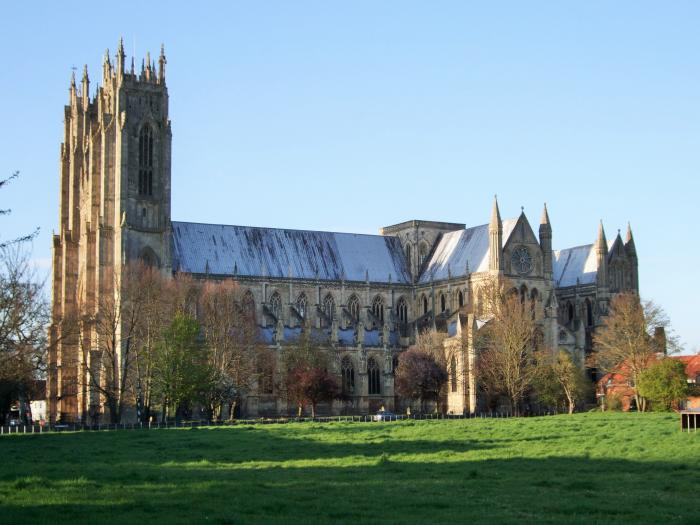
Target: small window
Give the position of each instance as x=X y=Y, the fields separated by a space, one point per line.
x=301 y=305
x=276 y=305
x=443 y=303
x=146 y=161
x=328 y=310
x=460 y=298
x=249 y=304
x=589 y=313
x=402 y=311
x=378 y=309
x=348 y=376
x=354 y=308
x=374 y=377
x=453 y=374
x=425 y=305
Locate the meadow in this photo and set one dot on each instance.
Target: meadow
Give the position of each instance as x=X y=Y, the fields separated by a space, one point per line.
x=585 y=468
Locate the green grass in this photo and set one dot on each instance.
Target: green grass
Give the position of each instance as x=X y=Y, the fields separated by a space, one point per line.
x=586 y=468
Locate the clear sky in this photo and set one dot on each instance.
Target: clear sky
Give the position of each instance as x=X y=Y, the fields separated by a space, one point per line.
x=351 y=116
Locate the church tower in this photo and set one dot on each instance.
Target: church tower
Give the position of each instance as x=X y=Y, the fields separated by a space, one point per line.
x=114 y=208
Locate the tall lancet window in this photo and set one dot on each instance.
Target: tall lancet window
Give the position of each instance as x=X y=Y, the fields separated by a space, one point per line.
x=146 y=161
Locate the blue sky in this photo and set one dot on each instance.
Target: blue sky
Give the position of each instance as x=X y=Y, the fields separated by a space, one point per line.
x=351 y=116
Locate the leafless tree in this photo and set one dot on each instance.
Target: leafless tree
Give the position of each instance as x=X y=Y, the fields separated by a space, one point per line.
x=24 y=315
x=506 y=363
x=232 y=345
x=7 y=211
x=629 y=339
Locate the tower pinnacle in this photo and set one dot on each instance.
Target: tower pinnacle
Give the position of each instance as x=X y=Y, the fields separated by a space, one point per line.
x=161 y=65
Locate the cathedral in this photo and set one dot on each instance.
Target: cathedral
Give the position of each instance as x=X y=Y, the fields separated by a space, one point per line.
x=368 y=294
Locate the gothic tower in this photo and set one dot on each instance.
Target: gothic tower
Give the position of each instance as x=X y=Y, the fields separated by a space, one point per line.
x=114 y=207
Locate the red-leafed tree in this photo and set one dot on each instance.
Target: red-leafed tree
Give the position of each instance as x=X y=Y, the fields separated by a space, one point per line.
x=306 y=379
x=310 y=386
x=419 y=376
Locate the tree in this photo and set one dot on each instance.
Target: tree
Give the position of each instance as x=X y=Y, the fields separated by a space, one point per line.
x=7 y=211
x=560 y=378
x=506 y=363
x=419 y=376
x=24 y=315
x=180 y=370
x=108 y=333
x=664 y=383
x=628 y=339
x=232 y=344
x=148 y=334
x=306 y=379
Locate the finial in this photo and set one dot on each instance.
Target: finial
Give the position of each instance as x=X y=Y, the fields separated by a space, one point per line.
x=601 y=242
x=120 y=49
x=545 y=215
x=132 y=65
x=522 y=209
x=85 y=73
x=629 y=233
x=495 y=213
x=161 y=64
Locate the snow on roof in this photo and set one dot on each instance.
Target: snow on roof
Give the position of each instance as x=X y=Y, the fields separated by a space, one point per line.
x=574 y=264
x=249 y=251
x=456 y=249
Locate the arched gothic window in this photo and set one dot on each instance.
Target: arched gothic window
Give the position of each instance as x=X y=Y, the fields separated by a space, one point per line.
x=146 y=161
x=374 y=377
x=523 y=293
x=408 y=255
x=348 y=375
x=249 y=304
x=276 y=305
x=402 y=310
x=443 y=302
x=354 y=308
x=301 y=305
x=329 y=309
x=378 y=309
x=453 y=374
x=569 y=312
x=460 y=298
x=589 y=313
x=534 y=296
x=424 y=300
x=422 y=253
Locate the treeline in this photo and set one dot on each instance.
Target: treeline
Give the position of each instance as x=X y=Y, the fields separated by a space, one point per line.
x=166 y=345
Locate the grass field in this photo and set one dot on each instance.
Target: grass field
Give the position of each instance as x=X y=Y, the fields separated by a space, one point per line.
x=612 y=468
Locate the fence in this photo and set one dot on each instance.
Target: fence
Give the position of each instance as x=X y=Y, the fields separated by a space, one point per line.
x=79 y=427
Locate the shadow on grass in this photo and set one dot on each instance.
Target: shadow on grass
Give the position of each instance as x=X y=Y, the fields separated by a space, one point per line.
x=261 y=476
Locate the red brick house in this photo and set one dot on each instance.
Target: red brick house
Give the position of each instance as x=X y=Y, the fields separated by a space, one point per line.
x=616 y=385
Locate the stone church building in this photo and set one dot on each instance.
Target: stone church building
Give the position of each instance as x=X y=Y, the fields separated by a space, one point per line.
x=369 y=294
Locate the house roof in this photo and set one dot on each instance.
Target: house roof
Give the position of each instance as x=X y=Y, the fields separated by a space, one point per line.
x=269 y=252
x=692 y=364
x=457 y=249
x=572 y=265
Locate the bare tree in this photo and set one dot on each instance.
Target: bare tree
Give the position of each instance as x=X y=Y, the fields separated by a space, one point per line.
x=7 y=211
x=24 y=315
x=629 y=339
x=148 y=333
x=108 y=338
x=232 y=342
x=420 y=376
x=506 y=362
